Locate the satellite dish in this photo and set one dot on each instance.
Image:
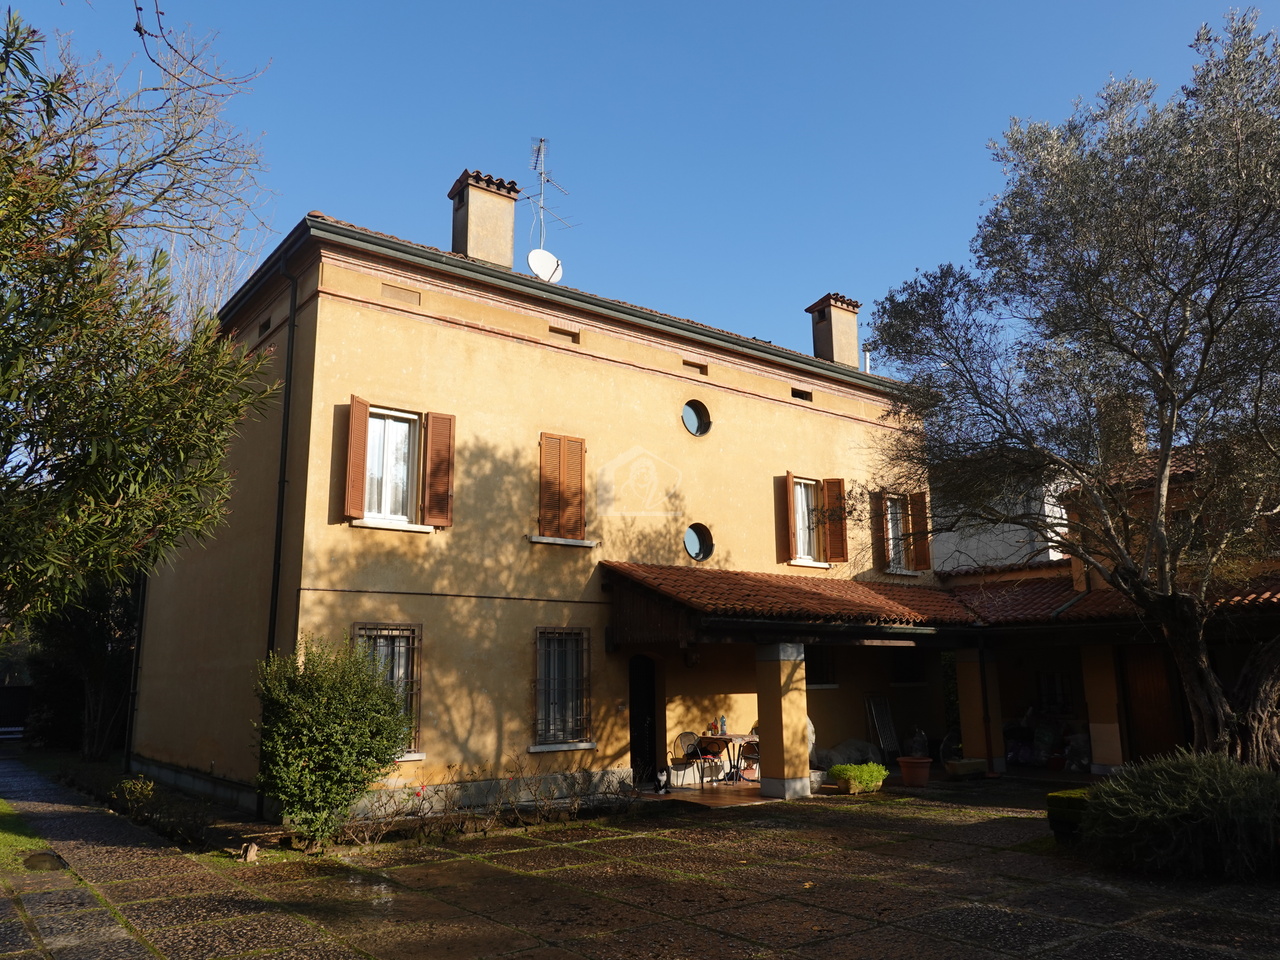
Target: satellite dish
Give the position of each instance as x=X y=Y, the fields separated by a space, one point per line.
x=545 y=265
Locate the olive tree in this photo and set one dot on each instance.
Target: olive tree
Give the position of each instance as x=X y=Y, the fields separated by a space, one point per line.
x=1113 y=351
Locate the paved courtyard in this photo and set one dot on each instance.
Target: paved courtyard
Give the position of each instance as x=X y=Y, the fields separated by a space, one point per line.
x=898 y=877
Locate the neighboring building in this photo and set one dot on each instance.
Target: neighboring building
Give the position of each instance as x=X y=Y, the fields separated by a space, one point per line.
x=472 y=471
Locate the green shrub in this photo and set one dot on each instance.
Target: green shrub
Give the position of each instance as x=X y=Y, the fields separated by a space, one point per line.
x=865 y=777
x=1187 y=814
x=332 y=724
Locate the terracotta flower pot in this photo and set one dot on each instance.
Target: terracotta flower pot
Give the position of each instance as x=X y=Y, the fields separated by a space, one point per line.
x=915 y=771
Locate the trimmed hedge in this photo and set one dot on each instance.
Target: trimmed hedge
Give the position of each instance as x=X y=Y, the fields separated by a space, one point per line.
x=1187 y=814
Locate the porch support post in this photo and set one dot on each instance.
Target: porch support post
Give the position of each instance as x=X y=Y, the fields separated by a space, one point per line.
x=981 y=720
x=1102 y=700
x=784 y=720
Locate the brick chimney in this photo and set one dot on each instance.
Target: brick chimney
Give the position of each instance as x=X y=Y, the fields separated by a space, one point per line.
x=835 y=329
x=484 y=217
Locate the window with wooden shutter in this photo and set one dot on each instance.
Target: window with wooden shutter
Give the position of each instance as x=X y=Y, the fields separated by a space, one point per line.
x=562 y=487
x=357 y=452
x=399 y=467
x=437 y=473
x=918 y=510
x=837 y=533
x=816 y=528
x=900 y=532
x=879 y=533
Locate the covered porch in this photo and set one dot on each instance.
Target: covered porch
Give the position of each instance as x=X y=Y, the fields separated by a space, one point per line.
x=782 y=655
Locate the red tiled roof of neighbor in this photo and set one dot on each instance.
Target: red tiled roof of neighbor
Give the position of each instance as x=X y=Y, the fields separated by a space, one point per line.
x=1041 y=600
x=774 y=596
x=320 y=215
x=1028 y=565
x=1260 y=593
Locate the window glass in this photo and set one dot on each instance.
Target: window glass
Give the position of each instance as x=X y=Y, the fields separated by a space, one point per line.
x=563 y=695
x=806 y=492
x=697 y=542
x=389 y=483
x=895 y=523
x=394 y=646
x=696 y=418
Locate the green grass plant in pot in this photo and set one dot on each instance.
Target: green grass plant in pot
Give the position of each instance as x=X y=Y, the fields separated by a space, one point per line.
x=858 y=777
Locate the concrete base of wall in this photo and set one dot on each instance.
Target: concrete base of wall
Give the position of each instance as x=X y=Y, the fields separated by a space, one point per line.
x=789 y=789
x=229 y=793
x=1104 y=769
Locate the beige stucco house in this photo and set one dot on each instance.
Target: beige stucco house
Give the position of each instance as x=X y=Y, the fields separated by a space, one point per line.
x=476 y=472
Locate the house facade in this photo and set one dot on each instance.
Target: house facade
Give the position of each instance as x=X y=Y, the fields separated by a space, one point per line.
x=468 y=467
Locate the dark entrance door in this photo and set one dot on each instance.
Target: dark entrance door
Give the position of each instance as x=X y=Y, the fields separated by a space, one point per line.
x=643 y=696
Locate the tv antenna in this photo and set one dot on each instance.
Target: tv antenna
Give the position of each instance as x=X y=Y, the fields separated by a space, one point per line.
x=544 y=264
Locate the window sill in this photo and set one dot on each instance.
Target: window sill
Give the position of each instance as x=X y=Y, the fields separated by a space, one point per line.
x=393 y=525
x=816 y=564
x=410 y=757
x=561 y=541
x=898 y=572
x=556 y=747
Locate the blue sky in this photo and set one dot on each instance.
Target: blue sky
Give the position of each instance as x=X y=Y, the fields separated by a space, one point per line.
x=726 y=162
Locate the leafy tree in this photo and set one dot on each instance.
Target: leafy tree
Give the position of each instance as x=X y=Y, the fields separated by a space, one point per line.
x=1114 y=351
x=331 y=725
x=113 y=425
x=81 y=664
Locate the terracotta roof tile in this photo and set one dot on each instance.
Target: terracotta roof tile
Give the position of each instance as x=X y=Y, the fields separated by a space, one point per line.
x=992 y=568
x=1041 y=600
x=773 y=596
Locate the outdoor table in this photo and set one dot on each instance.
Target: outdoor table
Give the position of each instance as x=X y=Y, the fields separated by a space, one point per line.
x=734 y=741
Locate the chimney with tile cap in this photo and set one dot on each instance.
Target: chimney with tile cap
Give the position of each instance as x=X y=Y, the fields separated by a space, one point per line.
x=835 y=329
x=484 y=217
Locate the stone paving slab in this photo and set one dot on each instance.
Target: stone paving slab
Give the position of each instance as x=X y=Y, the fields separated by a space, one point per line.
x=896 y=878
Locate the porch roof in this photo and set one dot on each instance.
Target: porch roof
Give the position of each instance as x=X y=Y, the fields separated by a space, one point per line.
x=775 y=596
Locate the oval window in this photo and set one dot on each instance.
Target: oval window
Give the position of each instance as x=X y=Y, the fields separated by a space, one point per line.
x=697 y=420
x=697 y=542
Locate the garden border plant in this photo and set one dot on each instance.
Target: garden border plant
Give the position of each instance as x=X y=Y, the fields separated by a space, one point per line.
x=858 y=777
x=332 y=724
x=1187 y=814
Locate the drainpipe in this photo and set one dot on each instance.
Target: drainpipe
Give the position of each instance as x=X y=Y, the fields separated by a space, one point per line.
x=282 y=484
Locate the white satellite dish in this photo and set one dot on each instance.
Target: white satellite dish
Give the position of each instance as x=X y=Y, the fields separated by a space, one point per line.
x=545 y=265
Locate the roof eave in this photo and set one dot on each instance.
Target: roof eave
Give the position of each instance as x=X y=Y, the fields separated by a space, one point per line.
x=327 y=230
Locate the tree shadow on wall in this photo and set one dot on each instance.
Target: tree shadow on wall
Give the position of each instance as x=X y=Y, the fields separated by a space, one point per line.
x=479 y=588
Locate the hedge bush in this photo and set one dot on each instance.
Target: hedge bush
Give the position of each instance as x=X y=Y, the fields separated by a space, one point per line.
x=332 y=724
x=1187 y=814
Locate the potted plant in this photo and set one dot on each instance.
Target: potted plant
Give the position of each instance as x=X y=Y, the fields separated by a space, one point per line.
x=915 y=762
x=858 y=777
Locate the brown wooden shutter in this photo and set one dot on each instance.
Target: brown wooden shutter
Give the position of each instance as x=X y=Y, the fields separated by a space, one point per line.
x=549 y=486
x=791 y=514
x=573 y=518
x=837 y=534
x=921 y=556
x=437 y=471
x=879 y=533
x=357 y=457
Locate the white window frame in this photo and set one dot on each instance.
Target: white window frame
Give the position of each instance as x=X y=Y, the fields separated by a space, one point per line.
x=805 y=528
x=896 y=520
x=412 y=469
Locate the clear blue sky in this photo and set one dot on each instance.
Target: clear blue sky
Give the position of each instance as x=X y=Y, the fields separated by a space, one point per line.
x=726 y=162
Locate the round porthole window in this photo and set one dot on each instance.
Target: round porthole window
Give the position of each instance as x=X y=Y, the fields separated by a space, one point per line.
x=696 y=418
x=697 y=542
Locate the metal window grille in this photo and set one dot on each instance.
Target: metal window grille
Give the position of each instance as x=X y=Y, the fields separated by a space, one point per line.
x=396 y=648
x=563 y=691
